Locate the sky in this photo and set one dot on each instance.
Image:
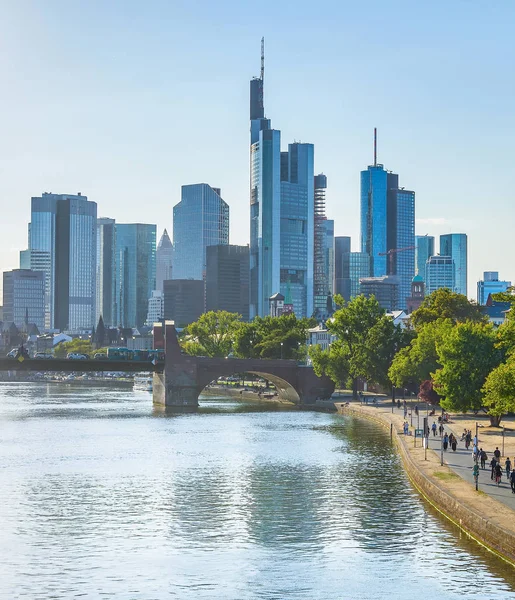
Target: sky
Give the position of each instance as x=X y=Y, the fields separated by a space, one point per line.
x=125 y=101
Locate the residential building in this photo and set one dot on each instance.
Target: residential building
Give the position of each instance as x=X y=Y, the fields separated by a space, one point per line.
x=342 y=246
x=164 y=260
x=490 y=285
x=385 y=289
x=156 y=306
x=323 y=274
x=388 y=226
x=320 y=336
x=227 y=279
x=200 y=219
x=418 y=292
x=425 y=247
x=356 y=266
x=276 y=304
x=135 y=272
x=455 y=246
x=183 y=300
x=440 y=273
x=62 y=243
x=495 y=311
x=281 y=213
x=24 y=297
x=106 y=264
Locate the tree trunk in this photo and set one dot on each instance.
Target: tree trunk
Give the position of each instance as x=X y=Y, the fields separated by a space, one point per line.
x=355 y=388
x=495 y=421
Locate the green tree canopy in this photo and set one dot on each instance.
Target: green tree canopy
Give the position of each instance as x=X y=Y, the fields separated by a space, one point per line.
x=212 y=335
x=467 y=355
x=273 y=337
x=76 y=346
x=499 y=390
x=444 y=304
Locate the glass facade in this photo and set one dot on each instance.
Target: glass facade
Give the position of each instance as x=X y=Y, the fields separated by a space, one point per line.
x=425 y=247
x=164 y=261
x=342 y=246
x=200 y=219
x=135 y=272
x=490 y=285
x=401 y=235
x=106 y=250
x=356 y=266
x=455 y=246
x=374 y=187
x=440 y=273
x=323 y=274
x=24 y=297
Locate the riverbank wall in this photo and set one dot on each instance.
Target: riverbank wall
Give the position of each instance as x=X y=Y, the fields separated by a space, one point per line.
x=242 y=394
x=481 y=517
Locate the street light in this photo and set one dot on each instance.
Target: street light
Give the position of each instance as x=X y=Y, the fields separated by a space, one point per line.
x=441 y=443
x=281 y=349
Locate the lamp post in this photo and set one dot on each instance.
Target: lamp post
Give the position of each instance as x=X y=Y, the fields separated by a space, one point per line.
x=476 y=466
x=281 y=350
x=503 y=440
x=441 y=443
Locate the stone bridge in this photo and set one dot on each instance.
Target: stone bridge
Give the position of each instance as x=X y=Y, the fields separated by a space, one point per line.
x=184 y=377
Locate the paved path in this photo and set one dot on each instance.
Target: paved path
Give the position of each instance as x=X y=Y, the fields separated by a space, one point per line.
x=461 y=461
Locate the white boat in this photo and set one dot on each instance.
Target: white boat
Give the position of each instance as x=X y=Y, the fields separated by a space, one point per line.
x=143 y=381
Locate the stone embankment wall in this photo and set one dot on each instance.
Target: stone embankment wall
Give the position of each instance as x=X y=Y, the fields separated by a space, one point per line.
x=495 y=536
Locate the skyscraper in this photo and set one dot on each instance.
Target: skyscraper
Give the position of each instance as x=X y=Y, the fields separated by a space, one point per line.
x=425 y=247
x=342 y=246
x=62 y=239
x=24 y=297
x=164 y=260
x=200 y=219
x=281 y=213
x=323 y=275
x=388 y=226
x=490 y=284
x=135 y=272
x=356 y=266
x=183 y=300
x=455 y=246
x=106 y=252
x=227 y=279
x=440 y=273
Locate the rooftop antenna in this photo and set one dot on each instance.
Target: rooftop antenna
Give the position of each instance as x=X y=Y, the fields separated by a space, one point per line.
x=375 y=146
x=262 y=59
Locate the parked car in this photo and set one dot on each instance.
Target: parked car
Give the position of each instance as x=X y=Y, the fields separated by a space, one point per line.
x=42 y=355
x=100 y=356
x=76 y=356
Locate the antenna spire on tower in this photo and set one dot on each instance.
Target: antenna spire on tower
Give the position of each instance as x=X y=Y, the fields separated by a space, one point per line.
x=375 y=146
x=262 y=59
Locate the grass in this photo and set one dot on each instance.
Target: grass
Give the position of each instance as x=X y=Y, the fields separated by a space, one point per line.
x=444 y=476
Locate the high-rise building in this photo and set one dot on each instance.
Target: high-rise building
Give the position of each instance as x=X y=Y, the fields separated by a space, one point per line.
x=227 y=279
x=135 y=272
x=164 y=260
x=156 y=304
x=183 y=300
x=385 y=289
x=490 y=285
x=440 y=273
x=388 y=226
x=342 y=246
x=62 y=239
x=323 y=275
x=455 y=246
x=281 y=213
x=24 y=297
x=106 y=253
x=200 y=219
x=356 y=266
x=425 y=247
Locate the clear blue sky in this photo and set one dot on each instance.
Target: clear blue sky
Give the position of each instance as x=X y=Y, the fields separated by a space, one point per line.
x=126 y=101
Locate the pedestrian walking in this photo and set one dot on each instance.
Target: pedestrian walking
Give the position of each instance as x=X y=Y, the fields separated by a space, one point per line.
x=493 y=464
x=475 y=453
x=512 y=481
x=483 y=457
x=416 y=410
x=433 y=427
x=475 y=472
x=406 y=427
x=454 y=442
x=507 y=466
x=441 y=429
x=445 y=441
x=498 y=473
x=497 y=453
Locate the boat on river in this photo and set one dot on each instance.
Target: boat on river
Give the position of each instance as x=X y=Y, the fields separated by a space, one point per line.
x=143 y=382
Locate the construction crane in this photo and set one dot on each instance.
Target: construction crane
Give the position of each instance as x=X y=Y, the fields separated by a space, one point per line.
x=390 y=253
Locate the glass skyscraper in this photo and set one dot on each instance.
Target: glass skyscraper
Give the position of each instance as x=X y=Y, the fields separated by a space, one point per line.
x=164 y=261
x=281 y=214
x=342 y=246
x=135 y=272
x=440 y=273
x=106 y=253
x=388 y=227
x=425 y=247
x=355 y=266
x=200 y=219
x=62 y=239
x=455 y=246
x=24 y=297
x=323 y=275
x=490 y=284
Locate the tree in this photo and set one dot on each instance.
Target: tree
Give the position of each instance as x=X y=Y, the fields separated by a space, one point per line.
x=76 y=346
x=418 y=361
x=444 y=304
x=273 y=337
x=366 y=343
x=212 y=335
x=467 y=355
x=499 y=391
x=332 y=362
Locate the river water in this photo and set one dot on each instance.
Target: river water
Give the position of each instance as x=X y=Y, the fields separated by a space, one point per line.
x=103 y=497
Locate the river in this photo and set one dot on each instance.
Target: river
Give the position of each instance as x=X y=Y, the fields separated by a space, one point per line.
x=101 y=496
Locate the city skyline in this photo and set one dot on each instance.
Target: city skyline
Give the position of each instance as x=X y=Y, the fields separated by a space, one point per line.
x=117 y=166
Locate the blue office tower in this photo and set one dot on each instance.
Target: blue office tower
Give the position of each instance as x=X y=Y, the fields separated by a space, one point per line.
x=200 y=219
x=425 y=248
x=455 y=246
x=388 y=227
x=135 y=272
x=281 y=213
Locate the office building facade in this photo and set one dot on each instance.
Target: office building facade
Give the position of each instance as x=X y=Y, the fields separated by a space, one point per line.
x=135 y=272
x=183 y=300
x=455 y=246
x=440 y=273
x=356 y=266
x=490 y=284
x=323 y=273
x=227 y=279
x=106 y=253
x=24 y=297
x=200 y=219
x=425 y=247
x=342 y=246
x=155 y=308
x=385 y=289
x=164 y=260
